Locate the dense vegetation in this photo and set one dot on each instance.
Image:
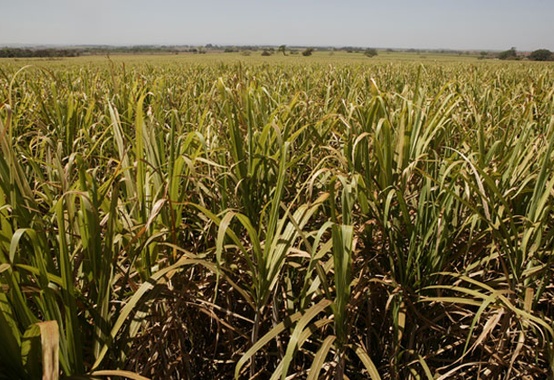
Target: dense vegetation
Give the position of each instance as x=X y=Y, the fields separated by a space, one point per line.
x=38 y=53
x=541 y=55
x=378 y=220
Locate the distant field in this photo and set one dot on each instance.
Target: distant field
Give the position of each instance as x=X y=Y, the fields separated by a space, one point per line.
x=229 y=216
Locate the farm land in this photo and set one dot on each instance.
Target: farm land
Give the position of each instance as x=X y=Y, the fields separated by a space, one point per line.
x=238 y=216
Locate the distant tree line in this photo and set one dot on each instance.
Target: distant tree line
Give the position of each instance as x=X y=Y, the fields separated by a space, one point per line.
x=536 y=55
x=7 y=52
x=38 y=53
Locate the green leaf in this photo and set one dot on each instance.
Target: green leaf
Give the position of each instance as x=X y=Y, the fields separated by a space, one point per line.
x=343 y=238
x=319 y=358
x=31 y=352
x=133 y=303
x=279 y=328
x=10 y=338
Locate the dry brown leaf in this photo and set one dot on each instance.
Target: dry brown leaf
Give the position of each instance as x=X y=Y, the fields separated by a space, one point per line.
x=50 y=341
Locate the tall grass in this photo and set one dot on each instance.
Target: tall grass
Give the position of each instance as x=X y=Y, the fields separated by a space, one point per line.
x=178 y=220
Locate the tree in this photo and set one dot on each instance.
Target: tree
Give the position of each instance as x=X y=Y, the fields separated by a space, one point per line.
x=283 y=48
x=370 y=52
x=508 y=54
x=307 y=52
x=541 y=55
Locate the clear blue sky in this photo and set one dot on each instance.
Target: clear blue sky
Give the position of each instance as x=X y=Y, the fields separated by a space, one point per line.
x=455 y=24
